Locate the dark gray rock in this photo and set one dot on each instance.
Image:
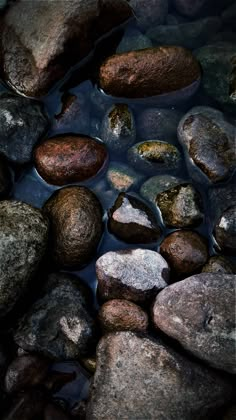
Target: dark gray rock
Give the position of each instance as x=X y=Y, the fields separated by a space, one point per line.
x=122 y=177
x=159 y=123
x=199 y=312
x=5 y=178
x=23 y=240
x=158 y=184
x=22 y=124
x=142 y=378
x=219 y=264
x=225 y=230
x=59 y=325
x=132 y=274
x=149 y=12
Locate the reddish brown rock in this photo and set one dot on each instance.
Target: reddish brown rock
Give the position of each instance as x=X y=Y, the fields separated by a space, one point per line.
x=149 y=72
x=122 y=315
x=185 y=251
x=65 y=159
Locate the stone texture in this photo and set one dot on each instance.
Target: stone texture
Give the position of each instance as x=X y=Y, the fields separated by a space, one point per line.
x=158 y=184
x=219 y=264
x=225 y=230
x=23 y=241
x=69 y=158
x=5 y=178
x=142 y=378
x=132 y=274
x=22 y=124
x=149 y=12
x=59 y=325
x=132 y=221
x=159 y=123
x=199 y=312
x=122 y=177
x=75 y=215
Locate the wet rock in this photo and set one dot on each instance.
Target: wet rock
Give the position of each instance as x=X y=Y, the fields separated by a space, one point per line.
x=204 y=303
x=219 y=264
x=5 y=178
x=59 y=325
x=74 y=115
x=25 y=372
x=75 y=215
x=149 y=72
x=158 y=184
x=132 y=221
x=56 y=39
x=122 y=315
x=118 y=130
x=132 y=274
x=180 y=206
x=133 y=40
x=23 y=240
x=225 y=230
x=89 y=363
x=149 y=12
x=158 y=123
x=22 y=124
x=189 y=35
x=154 y=156
x=122 y=177
x=185 y=251
x=69 y=158
x=52 y=412
x=208 y=140
x=27 y=406
x=190 y=8
x=172 y=386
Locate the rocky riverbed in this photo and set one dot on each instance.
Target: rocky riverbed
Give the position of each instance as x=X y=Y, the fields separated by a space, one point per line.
x=117 y=210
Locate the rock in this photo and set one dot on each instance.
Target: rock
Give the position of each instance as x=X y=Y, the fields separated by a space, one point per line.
x=189 y=35
x=221 y=197
x=57 y=38
x=142 y=378
x=132 y=221
x=5 y=178
x=204 y=304
x=118 y=130
x=225 y=230
x=149 y=12
x=218 y=62
x=133 y=40
x=132 y=274
x=69 y=158
x=154 y=156
x=180 y=206
x=59 y=325
x=149 y=72
x=190 y=8
x=158 y=184
x=122 y=177
x=27 y=406
x=74 y=115
x=185 y=251
x=53 y=412
x=89 y=363
x=24 y=372
x=75 y=215
x=219 y=264
x=208 y=140
x=22 y=124
x=122 y=315
x=23 y=241
x=159 y=123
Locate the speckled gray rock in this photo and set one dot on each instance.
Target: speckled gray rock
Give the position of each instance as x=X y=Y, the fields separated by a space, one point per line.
x=142 y=378
x=158 y=184
x=133 y=40
x=208 y=140
x=22 y=124
x=219 y=264
x=149 y=12
x=122 y=177
x=132 y=274
x=59 y=325
x=204 y=303
x=225 y=230
x=118 y=130
x=5 y=178
x=23 y=240
x=158 y=123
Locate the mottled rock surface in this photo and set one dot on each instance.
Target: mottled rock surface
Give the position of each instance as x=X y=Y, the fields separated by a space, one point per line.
x=199 y=312
x=122 y=177
x=141 y=378
x=225 y=230
x=219 y=264
x=158 y=184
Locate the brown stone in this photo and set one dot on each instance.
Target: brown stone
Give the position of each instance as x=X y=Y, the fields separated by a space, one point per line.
x=219 y=264
x=65 y=159
x=149 y=72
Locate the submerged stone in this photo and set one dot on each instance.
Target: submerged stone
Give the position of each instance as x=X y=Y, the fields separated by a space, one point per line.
x=122 y=177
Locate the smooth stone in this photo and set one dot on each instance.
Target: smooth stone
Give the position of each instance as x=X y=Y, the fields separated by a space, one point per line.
x=57 y=38
x=185 y=251
x=142 y=378
x=23 y=242
x=75 y=215
x=132 y=221
x=27 y=406
x=149 y=72
x=219 y=264
x=133 y=40
x=118 y=130
x=225 y=230
x=158 y=184
x=190 y=8
x=69 y=158
x=122 y=315
x=180 y=206
x=208 y=140
x=154 y=156
x=149 y=12
x=74 y=115
x=122 y=177
x=132 y=274
x=158 y=123
x=205 y=304
x=22 y=124
x=58 y=325
x=5 y=178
